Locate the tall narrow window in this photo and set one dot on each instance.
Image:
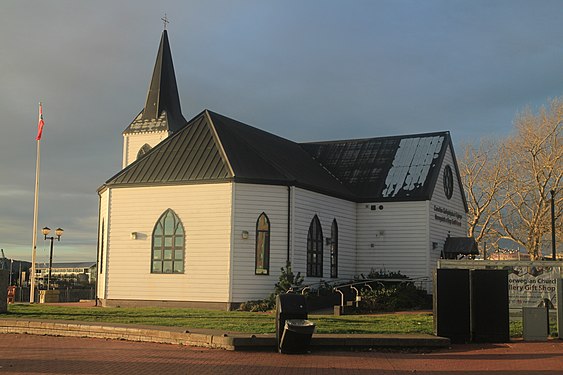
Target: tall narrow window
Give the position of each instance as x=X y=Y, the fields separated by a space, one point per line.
x=315 y=249
x=101 y=265
x=168 y=244
x=334 y=250
x=262 y=262
x=143 y=150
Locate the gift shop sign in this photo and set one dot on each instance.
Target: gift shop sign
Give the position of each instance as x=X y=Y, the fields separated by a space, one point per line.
x=529 y=286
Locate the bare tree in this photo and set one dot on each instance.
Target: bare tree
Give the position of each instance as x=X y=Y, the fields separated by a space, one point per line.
x=533 y=164
x=484 y=182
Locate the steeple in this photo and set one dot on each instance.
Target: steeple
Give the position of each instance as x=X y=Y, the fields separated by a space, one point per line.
x=161 y=115
x=162 y=107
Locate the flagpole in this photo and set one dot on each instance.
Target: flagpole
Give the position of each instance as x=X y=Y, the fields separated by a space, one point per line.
x=35 y=209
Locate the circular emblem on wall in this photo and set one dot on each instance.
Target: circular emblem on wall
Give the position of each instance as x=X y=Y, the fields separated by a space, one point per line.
x=448 y=182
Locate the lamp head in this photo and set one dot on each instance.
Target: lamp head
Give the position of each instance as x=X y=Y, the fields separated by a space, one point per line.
x=46 y=231
x=59 y=233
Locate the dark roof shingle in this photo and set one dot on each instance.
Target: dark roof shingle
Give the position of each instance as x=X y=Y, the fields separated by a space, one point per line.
x=212 y=148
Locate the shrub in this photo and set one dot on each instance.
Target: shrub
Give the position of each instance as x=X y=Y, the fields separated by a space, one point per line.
x=261 y=305
x=392 y=295
x=287 y=281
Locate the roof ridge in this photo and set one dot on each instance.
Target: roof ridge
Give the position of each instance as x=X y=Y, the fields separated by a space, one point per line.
x=419 y=135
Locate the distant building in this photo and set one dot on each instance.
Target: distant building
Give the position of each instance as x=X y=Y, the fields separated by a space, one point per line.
x=75 y=273
x=206 y=212
x=18 y=270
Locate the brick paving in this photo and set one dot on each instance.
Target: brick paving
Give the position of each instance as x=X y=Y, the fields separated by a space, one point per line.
x=29 y=354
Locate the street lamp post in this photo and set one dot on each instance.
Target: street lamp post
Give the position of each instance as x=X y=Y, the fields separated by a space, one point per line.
x=59 y=233
x=553 y=250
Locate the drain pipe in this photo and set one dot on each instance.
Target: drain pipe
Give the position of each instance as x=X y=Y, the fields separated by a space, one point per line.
x=288 y=224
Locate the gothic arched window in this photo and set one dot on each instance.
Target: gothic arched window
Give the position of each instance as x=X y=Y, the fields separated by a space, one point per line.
x=315 y=249
x=262 y=260
x=143 y=150
x=168 y=247
x=334 y=250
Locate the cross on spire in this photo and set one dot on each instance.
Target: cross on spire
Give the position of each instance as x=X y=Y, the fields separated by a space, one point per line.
x=165 y=20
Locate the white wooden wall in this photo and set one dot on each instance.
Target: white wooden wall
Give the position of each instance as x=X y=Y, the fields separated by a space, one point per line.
x=307 y=204
x=132 y=143
x=205 y=211
x=439 y=230
x=249 y=202
x=394 y=238
x=102 y=244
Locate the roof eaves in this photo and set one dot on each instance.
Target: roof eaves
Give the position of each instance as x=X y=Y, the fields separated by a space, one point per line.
x=431 y=186
x=458 y=174
x=172 y=183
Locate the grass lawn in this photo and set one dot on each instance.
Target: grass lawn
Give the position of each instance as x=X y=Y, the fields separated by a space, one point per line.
x=225 y=320
x=413 y=322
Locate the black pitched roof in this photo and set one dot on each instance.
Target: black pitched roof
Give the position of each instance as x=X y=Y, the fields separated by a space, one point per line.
x=261 y=157
x=190 y=155
x=461 y=245
x=212 y=148
x=162 y=109
x=386 y=168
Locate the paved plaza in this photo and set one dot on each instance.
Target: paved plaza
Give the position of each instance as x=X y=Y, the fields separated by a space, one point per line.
x=30 y=354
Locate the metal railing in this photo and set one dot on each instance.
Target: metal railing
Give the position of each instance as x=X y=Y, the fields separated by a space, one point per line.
x=339 y=286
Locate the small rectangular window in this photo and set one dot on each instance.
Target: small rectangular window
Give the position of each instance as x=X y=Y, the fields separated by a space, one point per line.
x=178 y=241
x=157 y=241
x=157 y=267
x=168 y=241
x=167 y=267
x=179 y=266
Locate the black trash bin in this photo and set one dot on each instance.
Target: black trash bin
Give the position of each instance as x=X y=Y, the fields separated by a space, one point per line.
x=290 y=307
x=296 y=336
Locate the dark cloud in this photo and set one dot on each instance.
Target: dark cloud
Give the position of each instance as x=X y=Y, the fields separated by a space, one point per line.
x=309 y=70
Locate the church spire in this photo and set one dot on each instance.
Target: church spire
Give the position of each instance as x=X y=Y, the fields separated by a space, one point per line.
x=162 y=109
x=163 y=91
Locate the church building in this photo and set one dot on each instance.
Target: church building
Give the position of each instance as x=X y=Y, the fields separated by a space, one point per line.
x=205 y=212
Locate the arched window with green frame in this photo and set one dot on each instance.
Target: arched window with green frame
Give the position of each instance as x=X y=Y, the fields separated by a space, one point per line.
x=168 y=244
x=262 y=259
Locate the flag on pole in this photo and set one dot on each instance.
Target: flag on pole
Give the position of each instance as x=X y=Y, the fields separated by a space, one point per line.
x=41 y=123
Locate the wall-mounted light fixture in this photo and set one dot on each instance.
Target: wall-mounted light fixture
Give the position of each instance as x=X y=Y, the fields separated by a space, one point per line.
x=244 y=235
x=133 y=235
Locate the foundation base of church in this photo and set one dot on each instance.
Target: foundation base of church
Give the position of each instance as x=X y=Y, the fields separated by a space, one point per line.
x=227 y=306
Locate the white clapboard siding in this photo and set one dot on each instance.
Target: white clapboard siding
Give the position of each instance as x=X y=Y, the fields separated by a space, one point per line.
x=439 y=230
x=102 y=244
x=205 y=211
x=132 y=143
x=307 y=204
x=394 y=238
x=250 y=201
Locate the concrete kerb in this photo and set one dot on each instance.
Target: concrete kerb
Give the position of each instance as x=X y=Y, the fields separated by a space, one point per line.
x=213 y=338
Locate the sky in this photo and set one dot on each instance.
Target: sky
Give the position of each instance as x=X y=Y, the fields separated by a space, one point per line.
x=304 y=70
